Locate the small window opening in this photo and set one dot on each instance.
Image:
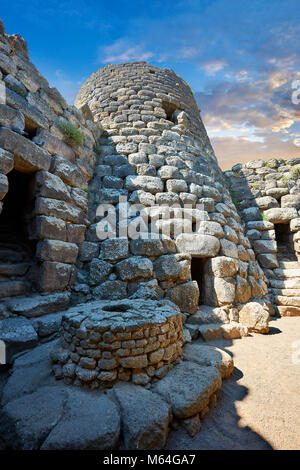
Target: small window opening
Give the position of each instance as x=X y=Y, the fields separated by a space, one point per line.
x=197 y=272
x=170 y=108
x=284 y=239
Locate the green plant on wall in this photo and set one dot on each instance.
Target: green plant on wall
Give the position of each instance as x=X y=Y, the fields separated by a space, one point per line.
x=295 y=172
x=72 y=134
x=254 y=186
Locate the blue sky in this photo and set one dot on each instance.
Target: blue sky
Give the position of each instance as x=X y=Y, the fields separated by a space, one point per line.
x=240 y=58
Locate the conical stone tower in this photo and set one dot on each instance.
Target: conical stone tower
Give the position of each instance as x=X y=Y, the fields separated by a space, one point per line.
x=155 y=151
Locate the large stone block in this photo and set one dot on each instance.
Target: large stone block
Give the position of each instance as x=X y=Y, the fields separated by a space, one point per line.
x=145 y=417
x=98 y=270
x=68 y=172
x=281 y=215
x=149 y=184
x=50 y=227
x=266 y=202
x=60 y=209
x=199 y=246
x=188 y=388
x=265 y=246
x=54 y=146
x=255 y=317
x=113 y=249
x=28 y=156
x=224 y=290
x=10 y=117
x=18 y=335
x=54 y=276
x=51 y=186
x=229 y=249
x=186 y=296
x=291 y=200
x=223 y=266
x=39 y=304
x=134 y=268
x=56 y=250
x=6 y=161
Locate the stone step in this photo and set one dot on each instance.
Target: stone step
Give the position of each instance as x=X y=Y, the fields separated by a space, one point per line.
x=287 y=301
x=207 y=355
x=285 y=283
x=10 y=270
x=11 y=256
x=213 y=331
x=12 y=288
x=285 y=292
x=207 y=314
x=289 y=265
x=18 y=335
x=286 y=273
x=39 y=305
x=288 y=311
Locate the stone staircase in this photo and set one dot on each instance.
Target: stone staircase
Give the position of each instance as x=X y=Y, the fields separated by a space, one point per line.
x=285 y=288
x=211 y=323
x=14 y=265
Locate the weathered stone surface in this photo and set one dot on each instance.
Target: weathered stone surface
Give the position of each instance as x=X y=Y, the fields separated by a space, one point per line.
x=68 y=172
x=291 y=200
x=54 y=250
x=26 y=422
x=30 y=371
x=209 y=356
x=28 y=156
x=200 y=246
x=60 y=209
x=98 y=270
x=3 y=185
x=134 y=268
x=150 y=184
x=145 y=417
x=206 y=314
x=188 y=387
x=186 y=296
x=255 y=317
x=10 y=117
x=54 y=146
x=39 y=304
x=207 y=227
x=113 y=249
x=47 y=324
x=214 y=331
x=223 y=266
x=6 y=161
x=11 y=288
x=268 y=260
x=54 y=276
x=264 y=246
x=266 y=202
x=281 y=215
x=18 y=335
x=51 y=228
x=224 y=289
x=51 y=186
x=91 y=422
x=228 y=249
x=243 y=290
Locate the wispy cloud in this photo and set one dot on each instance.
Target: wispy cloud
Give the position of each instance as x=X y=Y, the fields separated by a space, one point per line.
x=123 y=50
x=211 y=68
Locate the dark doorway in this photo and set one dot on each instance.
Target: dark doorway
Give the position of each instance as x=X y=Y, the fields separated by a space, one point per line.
x=17 y=251
x=197 y=272
x=284 y=239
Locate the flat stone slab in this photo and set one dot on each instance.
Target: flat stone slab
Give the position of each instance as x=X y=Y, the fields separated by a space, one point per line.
x=30 y=371
x=26 y=422
x=91 y=422
x=205 y=355
x=206 y=314
x=18 y=335
x=145 y=417
x=39 y=304
x=188 y=388
x=214 y=331
x=60 y=418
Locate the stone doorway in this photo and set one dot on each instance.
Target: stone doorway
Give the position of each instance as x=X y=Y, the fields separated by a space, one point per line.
x=284 y=240
x=198 y=275
x=17 y=251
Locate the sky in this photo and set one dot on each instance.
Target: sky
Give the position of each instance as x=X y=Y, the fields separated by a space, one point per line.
x=241 y=59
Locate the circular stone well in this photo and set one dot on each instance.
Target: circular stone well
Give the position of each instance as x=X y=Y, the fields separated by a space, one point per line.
x=104 y=342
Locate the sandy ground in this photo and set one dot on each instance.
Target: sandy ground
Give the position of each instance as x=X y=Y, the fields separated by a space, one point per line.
x=259 y=406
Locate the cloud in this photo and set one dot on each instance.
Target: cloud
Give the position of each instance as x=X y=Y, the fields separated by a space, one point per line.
x=123 y=50
x=211 y=68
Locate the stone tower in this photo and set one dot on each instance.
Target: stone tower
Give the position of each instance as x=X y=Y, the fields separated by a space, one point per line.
x=155 y=151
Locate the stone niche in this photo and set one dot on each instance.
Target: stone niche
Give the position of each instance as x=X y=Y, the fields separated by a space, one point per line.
x=127 y=340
